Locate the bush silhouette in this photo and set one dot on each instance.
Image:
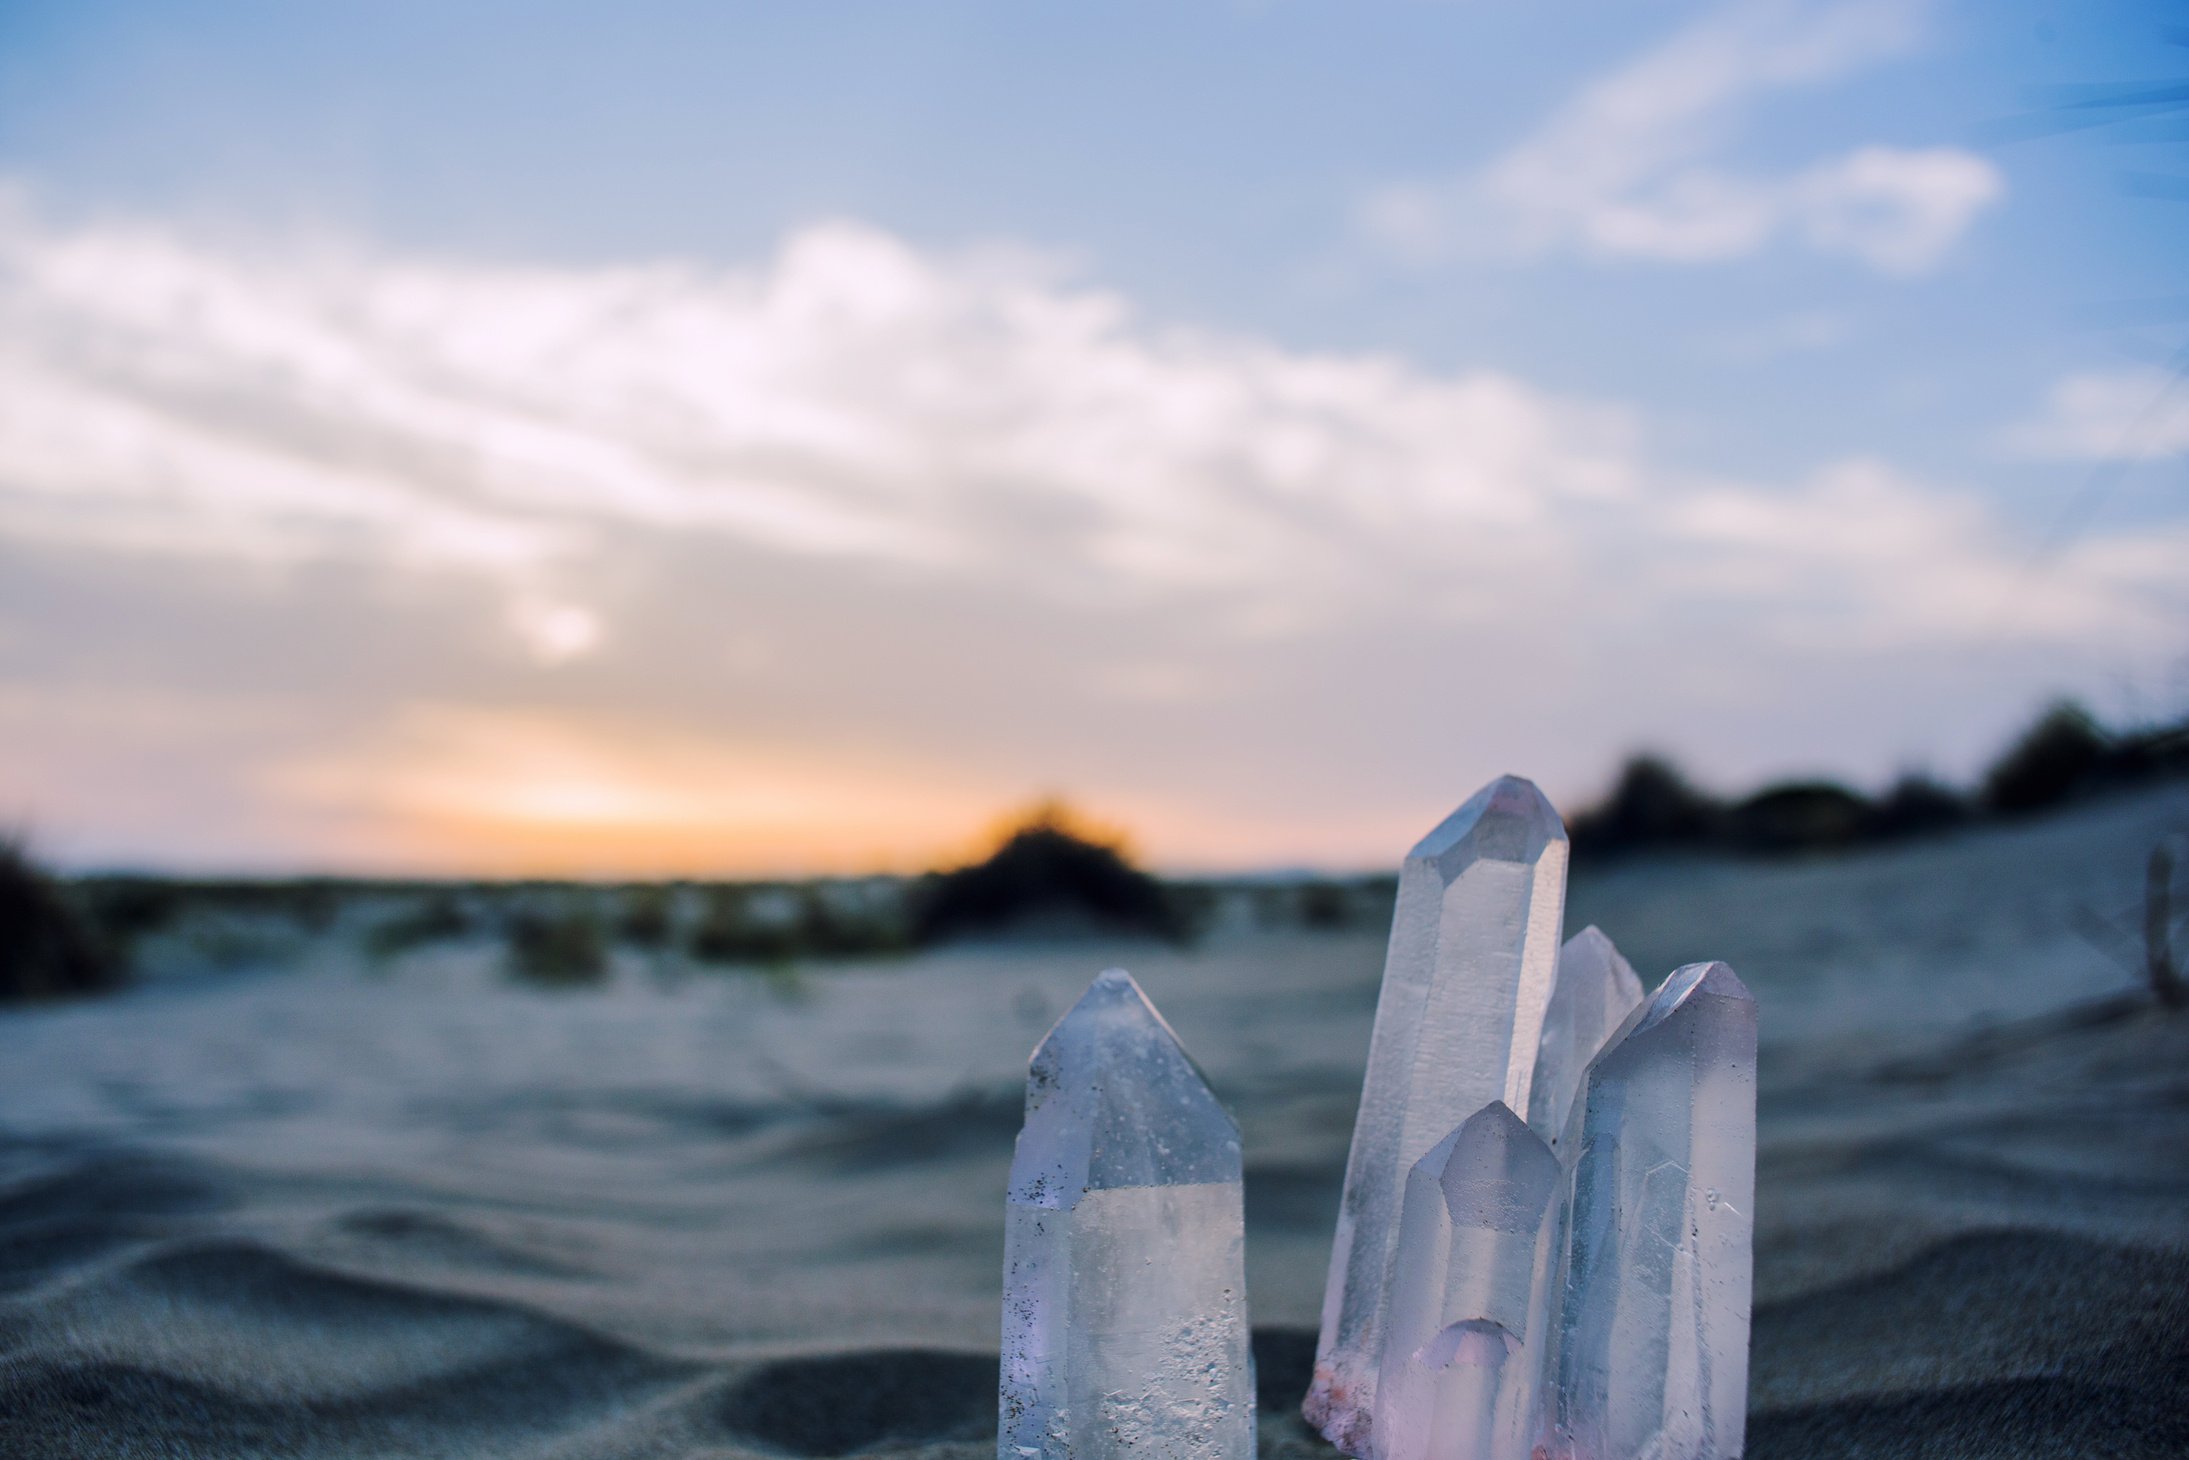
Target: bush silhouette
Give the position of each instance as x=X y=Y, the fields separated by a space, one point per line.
x=1916 y=805
x=435 y=918
x=1047 y=869
x=646 y=916
x=557 y=946
x=47 y=949
x=1799 y=816
x=2061 y=756
x=1651 y=805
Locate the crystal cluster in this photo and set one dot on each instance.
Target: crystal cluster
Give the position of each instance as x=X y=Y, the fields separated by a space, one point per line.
x=1573 y=1285
x=1543 y=1249
x=1124 y=1305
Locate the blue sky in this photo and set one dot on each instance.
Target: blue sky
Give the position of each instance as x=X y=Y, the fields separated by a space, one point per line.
x=801 y=431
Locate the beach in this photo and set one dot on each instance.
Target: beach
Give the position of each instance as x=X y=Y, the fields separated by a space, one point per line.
x=327 y=1205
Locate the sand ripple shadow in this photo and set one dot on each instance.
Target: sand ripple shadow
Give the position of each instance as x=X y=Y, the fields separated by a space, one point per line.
x=64 y=1218
x=233 y=1348
x=2012 y=1342
x=884 y=1400
x=842 y=1404
x=975 y=1125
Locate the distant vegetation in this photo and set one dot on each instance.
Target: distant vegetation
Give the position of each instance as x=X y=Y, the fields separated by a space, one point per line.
x=558 y=944
x=2064 y=756
x=1049 y=872
x=48 y=948
x=437 y=917
x=774 y=923
x=1046 y=873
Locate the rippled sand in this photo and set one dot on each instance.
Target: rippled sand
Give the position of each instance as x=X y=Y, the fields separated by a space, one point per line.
x=324 y=1210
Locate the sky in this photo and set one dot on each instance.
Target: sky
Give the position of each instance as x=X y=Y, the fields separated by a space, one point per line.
x=482 y=438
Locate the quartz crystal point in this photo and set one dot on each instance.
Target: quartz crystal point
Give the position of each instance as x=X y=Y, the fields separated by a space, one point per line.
x=1595 y=991
x=1124 y=1287
x=1474 y=948
x=1471 y=1296
x=1653 y=1346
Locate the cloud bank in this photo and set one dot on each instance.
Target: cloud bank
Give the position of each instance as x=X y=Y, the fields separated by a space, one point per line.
x=330 y=552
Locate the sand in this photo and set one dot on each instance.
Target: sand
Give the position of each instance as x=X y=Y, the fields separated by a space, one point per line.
x=321 y=1209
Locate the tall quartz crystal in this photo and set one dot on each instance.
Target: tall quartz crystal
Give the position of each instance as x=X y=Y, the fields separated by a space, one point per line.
x=1472 y=1302
x=1467 y=979
x=1124 y=1301
x=1595 y=991
x=1653 y=1348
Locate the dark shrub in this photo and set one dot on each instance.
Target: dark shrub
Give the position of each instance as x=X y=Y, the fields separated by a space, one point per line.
x=645 y=917
x=47 y=948
x=557 y=946
x=1046 y=871
x=2149 y=752
x=1327 y=906
x=435 y=918
x=733 y=928
x=311 y=902
x=832 y=923
x=1916 y=806
x=1799 y=817
x=2063 y=755
x=125 y=908
x=1652 y=805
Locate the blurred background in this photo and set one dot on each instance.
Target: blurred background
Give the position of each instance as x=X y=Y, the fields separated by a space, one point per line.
x=605 y=611
x=699 y=439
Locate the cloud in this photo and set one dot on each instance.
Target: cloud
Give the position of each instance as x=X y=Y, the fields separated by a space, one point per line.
x=2109 y=415
x=852 y=399
x=942 y=520
x=1626 y=169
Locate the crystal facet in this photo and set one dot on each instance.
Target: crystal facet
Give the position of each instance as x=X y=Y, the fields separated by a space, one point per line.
x=1466 y=982
x=1124 y=1304
x=1471 y=1295
x=1596 y=990
x=1653 y=1344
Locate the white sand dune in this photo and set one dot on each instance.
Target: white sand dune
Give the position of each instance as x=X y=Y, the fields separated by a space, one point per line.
x=323 y=1211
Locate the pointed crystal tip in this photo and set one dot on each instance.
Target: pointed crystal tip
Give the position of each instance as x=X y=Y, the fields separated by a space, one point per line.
x=1115 y=983
x=1509 y=820
x=1113 y=1100
x=1113 y=1002
x=1713 y=980
x=1495 y=1172
x=1688 y=982
x=1592 y=941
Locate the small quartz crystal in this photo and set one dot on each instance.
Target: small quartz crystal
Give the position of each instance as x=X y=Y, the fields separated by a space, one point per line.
x=1595 y=991
x=1124 y=1305
x=1653 y=1342
x=1471 y=1296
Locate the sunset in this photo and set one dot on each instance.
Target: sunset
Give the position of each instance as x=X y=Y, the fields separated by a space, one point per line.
x=1160 y=730
x=345 y=533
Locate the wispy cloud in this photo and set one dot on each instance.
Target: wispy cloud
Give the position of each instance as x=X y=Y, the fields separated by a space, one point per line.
x=1631 y=166
x=949 y=521
x=2109 y=415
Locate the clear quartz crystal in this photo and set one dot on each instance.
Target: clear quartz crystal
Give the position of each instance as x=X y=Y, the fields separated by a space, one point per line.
x=1595 y=991
x=1653 y=1343
x=1471 y=1296
x=1467 y=980
x=1124 y=1302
